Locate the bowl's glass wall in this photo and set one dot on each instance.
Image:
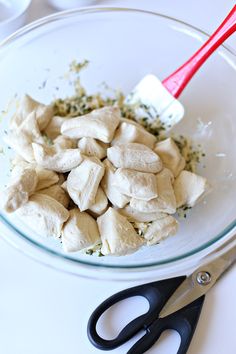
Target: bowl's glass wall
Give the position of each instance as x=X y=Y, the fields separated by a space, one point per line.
x=123 y=46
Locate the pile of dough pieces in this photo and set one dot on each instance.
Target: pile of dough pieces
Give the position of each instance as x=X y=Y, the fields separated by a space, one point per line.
x=102 y=179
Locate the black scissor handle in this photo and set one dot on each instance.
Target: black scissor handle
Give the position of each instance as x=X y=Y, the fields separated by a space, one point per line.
x=183 y=321
x=156 y=293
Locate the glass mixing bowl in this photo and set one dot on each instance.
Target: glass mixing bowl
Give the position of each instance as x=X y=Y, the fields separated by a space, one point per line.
x=122 y=46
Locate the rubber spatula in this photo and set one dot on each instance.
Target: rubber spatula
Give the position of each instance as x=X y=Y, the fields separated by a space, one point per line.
x=160 y=98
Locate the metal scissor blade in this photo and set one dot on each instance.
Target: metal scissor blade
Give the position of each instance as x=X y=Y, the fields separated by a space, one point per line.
x=200 y=281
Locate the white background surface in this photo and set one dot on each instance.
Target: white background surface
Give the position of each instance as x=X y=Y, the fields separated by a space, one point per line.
x=43 y=311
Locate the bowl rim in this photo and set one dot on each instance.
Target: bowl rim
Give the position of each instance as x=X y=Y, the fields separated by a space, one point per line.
x=132 y=267
x=92 y=9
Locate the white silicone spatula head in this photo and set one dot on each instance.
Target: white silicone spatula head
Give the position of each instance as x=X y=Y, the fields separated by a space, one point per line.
x=154 y=101
x=159 y=99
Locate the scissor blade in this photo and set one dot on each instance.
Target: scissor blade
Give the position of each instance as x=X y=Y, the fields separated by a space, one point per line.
x=199 y=282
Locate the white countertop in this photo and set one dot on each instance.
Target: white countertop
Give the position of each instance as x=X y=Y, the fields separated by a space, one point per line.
x=43 y=311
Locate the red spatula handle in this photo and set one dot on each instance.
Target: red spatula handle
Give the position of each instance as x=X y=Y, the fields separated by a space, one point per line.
x=176 y=82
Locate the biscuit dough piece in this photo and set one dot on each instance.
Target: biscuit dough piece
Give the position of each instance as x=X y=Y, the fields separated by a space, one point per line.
x=64 y=186
x=135 y=184
x=135 y=157
x=165 y=202
x=21 y=138
x=79 y=232
x=170 y=155
x=83 y=181
x=59 y=161
x=57 y=193
x=134 y=215
x=63 y=143
x=99 y=124
x=53 y=129
x=117 y=234
x=118 y=199
x=161 y=229
x=100 y=203
x=46 y=178
x=91 y=147
x=190 y=188
x=22 y=186
x=43 y=113
x=133 y=133
x=44 y=215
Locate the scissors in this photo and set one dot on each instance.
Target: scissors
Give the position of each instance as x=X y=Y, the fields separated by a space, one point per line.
x=174 y=303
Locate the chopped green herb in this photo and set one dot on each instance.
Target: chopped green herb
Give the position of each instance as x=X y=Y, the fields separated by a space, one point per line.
x=77 y=67
x=182 y=211
x=191 y=153
x=95 y=250
x=47 y=140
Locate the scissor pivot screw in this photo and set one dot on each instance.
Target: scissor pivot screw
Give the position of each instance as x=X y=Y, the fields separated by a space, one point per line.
x=203 y=278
